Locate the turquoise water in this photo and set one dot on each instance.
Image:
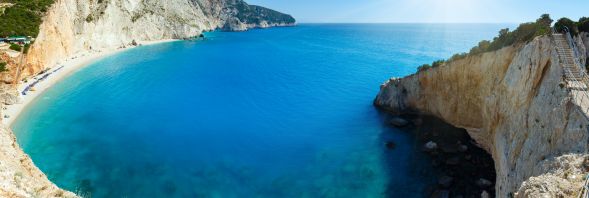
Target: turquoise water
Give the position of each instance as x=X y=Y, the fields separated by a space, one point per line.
x=283 y=112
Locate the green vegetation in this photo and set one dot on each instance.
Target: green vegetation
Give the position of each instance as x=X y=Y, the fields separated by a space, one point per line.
x=423 y=67
x=15 y=47
x=89 y=18
x=525 y=32
x=23 y=18
x=564 y=24
x=3 y=67
x=583 y=24
x=253 y=14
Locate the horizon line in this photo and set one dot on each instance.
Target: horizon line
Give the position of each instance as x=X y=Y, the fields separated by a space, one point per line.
x=408 y=22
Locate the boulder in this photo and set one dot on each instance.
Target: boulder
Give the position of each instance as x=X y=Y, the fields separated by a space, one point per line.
x=441 y=194
x=399 y=122
x=430 y=146
x=445 y=181
x=485 y=194
x=390 y=145
x=484 y=183
x=417 y=121
x=453 y=160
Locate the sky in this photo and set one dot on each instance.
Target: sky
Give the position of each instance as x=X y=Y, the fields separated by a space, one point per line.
x=426 y=11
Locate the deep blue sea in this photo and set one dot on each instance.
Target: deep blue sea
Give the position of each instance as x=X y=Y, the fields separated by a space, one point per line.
x=282 y=112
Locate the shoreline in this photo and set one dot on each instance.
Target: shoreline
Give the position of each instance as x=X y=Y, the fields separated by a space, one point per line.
x=58 y=72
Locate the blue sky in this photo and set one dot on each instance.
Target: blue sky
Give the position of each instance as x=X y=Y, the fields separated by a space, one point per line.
x=426 y=11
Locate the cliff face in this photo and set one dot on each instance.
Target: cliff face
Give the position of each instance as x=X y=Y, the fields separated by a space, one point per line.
x=515 y=104
x=71 y=26
x=19 y=177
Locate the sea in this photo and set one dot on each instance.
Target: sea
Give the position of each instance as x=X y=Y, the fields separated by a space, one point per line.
x=279 y=112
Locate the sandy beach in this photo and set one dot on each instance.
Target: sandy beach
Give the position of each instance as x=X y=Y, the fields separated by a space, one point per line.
x=59 y=72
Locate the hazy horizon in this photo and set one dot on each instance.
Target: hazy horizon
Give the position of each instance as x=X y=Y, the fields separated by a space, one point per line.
x=425 y=11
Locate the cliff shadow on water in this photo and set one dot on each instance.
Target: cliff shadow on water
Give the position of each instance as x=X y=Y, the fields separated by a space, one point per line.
x=456 y=167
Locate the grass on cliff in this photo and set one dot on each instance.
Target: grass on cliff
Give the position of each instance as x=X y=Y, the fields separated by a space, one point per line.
x=3 y=66
x=23 y=18
x=524 y=33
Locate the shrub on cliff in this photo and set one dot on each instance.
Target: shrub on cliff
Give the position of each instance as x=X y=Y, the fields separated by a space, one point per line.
x=423 y=67
x=23 y=18
x=438 y=63
x=3 y=67
x=523 y=33
x=583 y=24
x=564 y=24
x=15 y=47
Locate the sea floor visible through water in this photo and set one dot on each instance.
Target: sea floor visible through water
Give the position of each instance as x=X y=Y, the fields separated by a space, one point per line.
x=280 y=112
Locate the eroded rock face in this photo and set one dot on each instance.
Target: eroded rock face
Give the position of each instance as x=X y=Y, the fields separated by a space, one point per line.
x=513 y=102
x=19 y=177
x=71 y=27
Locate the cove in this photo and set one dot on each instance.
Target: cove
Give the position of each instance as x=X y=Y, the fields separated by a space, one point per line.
x=282 y=112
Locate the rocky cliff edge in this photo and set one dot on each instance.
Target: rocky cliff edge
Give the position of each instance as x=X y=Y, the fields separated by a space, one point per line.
x=515 y=103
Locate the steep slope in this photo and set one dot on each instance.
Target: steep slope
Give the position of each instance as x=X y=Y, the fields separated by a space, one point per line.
x=72 y=27
x=514 y=102
x=19 y=177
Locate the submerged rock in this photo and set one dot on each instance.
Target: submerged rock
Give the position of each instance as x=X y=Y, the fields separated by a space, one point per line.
x=399 y=122
x=441 y=194
x=485 y=194
x=417 y=121
x=483 y=183
x=445 y=181
x=391 y=145
x=453 y=161
x=430 y=146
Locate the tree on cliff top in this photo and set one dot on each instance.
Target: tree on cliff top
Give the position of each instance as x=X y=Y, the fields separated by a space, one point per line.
x=583 y=24
x=23 y=18
x=565 y=24
x=525 y=32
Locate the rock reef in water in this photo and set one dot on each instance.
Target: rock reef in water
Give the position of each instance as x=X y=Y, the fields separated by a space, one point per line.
x=515 y=103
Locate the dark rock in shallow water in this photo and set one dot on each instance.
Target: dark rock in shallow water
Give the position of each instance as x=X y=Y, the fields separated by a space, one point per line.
x=485 y=194
x=430 y=146
x=399 y=122
x=391 y=145
x=441 y=194
x=445 y=181
x=453 y=161
x=483 y=183
x=417 y=121
x=449 y=148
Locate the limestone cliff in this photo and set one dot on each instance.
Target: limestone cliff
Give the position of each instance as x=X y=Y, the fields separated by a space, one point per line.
x=515 y=103
x=72 y=26
x=19 y=177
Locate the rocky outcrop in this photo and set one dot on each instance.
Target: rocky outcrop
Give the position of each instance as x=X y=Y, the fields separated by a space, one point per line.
x=71 y=27
x=19 y=177
x=515 y=103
